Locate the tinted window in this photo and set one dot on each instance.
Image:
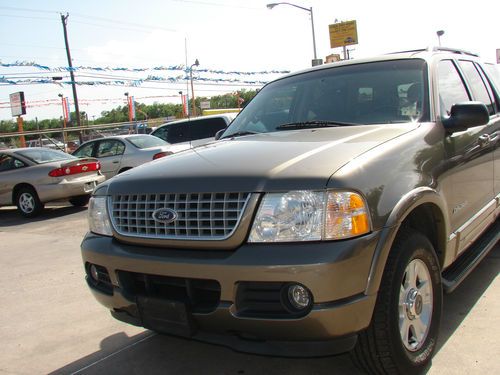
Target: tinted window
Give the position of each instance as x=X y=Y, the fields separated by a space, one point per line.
x=110 y=147
x=146 y=141
x=85 y=151
x=161 y=132
x=451 y=87
x=479 y=90
x=173 y=133
x=206 y=128
x=358 y=94
x=44 y=155
x=177 y=133
x=8 y=162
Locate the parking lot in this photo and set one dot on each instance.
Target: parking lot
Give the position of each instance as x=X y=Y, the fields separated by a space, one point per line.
x=50 y=323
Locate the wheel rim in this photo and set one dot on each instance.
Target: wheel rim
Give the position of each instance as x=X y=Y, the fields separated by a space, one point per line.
x=27 y=203
x=415 y=305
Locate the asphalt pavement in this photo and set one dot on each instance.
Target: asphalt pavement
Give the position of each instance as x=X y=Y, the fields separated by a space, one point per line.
x=50 y=323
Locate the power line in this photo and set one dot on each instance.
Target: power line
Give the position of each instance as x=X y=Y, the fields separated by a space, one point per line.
x=29 y=17
x=28 y=10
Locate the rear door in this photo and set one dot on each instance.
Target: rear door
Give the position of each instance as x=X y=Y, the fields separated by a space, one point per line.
x=110 y=153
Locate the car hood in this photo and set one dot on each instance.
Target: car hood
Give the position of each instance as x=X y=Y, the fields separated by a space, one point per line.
x=278 y=161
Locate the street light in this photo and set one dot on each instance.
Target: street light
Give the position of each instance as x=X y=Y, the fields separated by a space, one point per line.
x=440 y=33
x=310 y=10
x=193 y=106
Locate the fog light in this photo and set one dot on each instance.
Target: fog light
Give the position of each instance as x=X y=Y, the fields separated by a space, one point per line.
x=94 y=273
x=299 y=296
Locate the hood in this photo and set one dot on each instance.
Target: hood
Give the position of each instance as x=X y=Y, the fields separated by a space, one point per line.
x=278 y=161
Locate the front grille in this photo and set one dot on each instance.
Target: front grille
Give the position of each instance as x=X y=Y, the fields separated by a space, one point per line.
x=200 y=216
x=200 y=295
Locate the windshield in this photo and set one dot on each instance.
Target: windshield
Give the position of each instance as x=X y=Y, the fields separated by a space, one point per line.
x=371 y=93
x=44 y=155
x=146 y=141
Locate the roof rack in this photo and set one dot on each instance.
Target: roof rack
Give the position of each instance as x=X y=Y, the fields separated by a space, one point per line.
x=437 y=49
x=454 y=50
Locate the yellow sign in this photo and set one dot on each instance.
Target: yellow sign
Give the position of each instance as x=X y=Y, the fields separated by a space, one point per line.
x=343 y=34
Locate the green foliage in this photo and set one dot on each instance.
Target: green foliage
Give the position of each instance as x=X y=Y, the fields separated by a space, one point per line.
x=120 y=114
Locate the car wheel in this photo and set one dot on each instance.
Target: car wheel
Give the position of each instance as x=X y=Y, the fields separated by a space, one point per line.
x=28 y=203
x=402 y=336
x=80 y=201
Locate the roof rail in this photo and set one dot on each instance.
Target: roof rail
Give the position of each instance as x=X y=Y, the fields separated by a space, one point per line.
x=454 y=50
x=436 y=49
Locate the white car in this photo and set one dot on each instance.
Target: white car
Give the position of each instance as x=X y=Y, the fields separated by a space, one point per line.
x=46 y=142
x=122 y=152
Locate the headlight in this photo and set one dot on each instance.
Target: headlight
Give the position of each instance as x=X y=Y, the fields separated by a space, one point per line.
x=310 y=216
x=98 y=216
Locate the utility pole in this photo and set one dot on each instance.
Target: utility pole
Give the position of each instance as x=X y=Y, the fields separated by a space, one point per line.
x=64 y=19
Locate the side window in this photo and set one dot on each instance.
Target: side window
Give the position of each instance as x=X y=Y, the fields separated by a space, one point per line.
x=110 y=147
x=178 y=133
x=451 y=88
x=161 y=132
x=206 y=128
x=8 y=163
x=490 y=86
x=85 y=151
x=479 y=90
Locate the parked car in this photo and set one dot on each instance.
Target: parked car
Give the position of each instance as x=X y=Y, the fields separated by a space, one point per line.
x=329 y=217
x=123 y=152
x=188 y=133
x=46 y=142
x=31 y=177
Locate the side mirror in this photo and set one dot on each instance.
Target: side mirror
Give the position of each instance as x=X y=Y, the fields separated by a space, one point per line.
x=466 y=115
x=219 y=134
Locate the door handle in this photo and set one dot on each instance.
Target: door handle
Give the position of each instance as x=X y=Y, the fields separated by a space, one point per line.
x=116 y=162
x=484 y=140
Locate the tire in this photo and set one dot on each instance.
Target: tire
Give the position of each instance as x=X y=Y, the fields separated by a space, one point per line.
x=402 y=336
x=80 y=200
x=28 y=203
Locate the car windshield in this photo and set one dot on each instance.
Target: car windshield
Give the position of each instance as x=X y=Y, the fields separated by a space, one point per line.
x=44 y=155
x=383 y=92
x=146 y=141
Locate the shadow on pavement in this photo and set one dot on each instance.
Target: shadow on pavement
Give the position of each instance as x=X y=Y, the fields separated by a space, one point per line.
x=149 y=353
x=458 y=304
x=10 y=217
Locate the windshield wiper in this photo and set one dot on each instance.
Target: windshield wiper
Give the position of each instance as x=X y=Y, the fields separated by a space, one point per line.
x=313 y=124
x=240 y=133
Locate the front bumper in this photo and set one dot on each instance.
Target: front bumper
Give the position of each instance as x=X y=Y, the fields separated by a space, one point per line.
x=336 y=273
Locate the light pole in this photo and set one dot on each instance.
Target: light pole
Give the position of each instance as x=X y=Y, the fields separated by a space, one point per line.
x=193 y=106
x=440 y=33
x=182 y=104
x=310 y=10
x=64 y=108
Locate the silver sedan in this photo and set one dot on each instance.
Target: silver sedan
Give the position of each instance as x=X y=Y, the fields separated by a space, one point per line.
x=31 y=177
x=122 y=152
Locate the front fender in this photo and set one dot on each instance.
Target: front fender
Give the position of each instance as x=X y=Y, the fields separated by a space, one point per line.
x=406 y=205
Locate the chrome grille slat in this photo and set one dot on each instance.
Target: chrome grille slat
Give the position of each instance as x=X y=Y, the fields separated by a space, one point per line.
x=200 y=216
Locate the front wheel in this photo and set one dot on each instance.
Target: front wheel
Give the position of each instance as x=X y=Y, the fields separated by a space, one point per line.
x=28 y=203
x=403 y=333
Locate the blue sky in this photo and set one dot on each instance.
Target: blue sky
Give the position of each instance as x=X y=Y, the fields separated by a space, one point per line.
x=228 y=35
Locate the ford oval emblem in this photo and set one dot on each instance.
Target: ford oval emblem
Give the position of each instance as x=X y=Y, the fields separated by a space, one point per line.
x=164 y=215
